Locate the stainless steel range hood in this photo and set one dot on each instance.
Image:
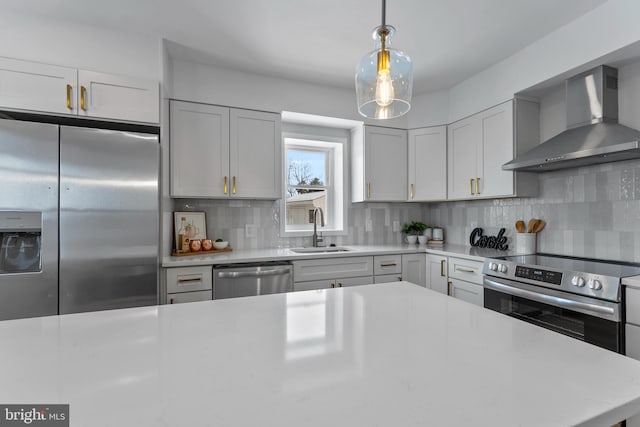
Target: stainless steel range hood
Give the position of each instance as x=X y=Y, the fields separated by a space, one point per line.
x=593 y=135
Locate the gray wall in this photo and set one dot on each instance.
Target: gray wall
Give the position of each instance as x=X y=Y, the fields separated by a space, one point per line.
x=227 y=220
x=590 y=212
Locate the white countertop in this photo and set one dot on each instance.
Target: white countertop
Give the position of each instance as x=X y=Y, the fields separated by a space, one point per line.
x=633 y=281
x=380 y=355
x=286 y=254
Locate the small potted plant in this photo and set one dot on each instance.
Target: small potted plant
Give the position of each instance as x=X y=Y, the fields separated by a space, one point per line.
x=413 y=230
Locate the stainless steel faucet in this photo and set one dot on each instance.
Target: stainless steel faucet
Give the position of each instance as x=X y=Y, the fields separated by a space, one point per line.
x=317 y=239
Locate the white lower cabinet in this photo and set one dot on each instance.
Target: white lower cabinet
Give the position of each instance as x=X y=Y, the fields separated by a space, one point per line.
x=632 y=334
x=329 y=273
x=436 y=272
x=188 y=284
x=466 y=291
x=414 y=269
x=189 y=297
x=465 y=280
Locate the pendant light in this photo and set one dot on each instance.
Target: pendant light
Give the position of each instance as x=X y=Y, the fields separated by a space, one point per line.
x=384 y=77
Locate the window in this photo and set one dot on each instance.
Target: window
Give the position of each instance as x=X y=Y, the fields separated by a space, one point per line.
x=314 y=178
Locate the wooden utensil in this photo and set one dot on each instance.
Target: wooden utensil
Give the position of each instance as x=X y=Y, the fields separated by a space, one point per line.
x=520 y=226
x=539 y=226
x=532 y=223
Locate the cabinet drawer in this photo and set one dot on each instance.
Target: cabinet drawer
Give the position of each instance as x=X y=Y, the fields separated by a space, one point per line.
x=632 y=305
x=188 y=279
x=321 y=269
x=466 y=291
x=465 y=269
x=387 y=264
x=387 y=278
x=181 y=297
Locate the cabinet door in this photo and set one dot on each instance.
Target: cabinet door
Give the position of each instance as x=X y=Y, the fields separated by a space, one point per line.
x=330 y=268
x=314 y=284
x=387 y=264
x=497 y=149
x=183 y=297
x=387 y=278
x=466 y=291
x=385 y=164
x=199 y=150
x=427 y=164
x=28 y=85
x=437 y=273
x=463 y=145
x=255 y=155
x=414 y=269
x=354 y=281
x=116 y=97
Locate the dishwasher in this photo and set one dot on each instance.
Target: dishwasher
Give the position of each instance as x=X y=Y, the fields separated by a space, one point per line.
x=243 y=280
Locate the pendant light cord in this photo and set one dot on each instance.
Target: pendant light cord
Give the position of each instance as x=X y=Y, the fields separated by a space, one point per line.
x=383 y=35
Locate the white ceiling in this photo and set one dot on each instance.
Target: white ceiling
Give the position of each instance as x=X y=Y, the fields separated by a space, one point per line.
x=322 y=40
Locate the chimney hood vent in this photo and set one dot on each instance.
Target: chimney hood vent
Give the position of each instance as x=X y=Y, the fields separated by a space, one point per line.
x=593 y=135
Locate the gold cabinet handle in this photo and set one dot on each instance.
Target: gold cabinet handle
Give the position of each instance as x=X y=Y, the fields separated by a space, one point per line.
x=442 y=268
x=368 y=190
x=339 y=284
x=69 y=90
x=171 y=301
x=390 y=264
x=477 y=185
x=448 y=288
x=471 y=186
x=233 y=189
x=333 y=285
x=83 y=95
x=411 y=191
x=224 y=189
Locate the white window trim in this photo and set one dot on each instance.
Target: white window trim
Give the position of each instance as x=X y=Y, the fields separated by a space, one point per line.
x=341 y=191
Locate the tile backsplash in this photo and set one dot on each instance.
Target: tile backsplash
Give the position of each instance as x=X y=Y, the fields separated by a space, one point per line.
x=590 y=212
x=227 y=219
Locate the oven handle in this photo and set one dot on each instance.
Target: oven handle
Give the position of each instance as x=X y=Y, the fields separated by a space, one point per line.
x=599 y=311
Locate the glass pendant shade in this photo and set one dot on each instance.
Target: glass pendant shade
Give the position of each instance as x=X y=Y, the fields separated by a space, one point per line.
x=384 y=79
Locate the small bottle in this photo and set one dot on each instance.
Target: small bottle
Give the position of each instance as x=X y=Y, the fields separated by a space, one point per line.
x=183 y=240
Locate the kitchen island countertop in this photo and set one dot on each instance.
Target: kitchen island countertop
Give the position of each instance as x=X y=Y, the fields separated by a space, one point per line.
x=286 y=254
x=390 y=354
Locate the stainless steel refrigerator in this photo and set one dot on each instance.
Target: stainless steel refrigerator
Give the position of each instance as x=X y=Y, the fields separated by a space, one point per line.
x=79 y=214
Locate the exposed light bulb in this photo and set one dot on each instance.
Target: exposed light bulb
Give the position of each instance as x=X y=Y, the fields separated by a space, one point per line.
x=384 y=88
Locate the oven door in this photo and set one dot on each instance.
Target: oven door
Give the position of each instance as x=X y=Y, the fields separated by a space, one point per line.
x=587 y=319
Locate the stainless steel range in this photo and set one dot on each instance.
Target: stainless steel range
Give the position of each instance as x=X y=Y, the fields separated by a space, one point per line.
x=577 y=297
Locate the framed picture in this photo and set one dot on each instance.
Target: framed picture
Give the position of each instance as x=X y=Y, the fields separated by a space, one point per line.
x=191 y=224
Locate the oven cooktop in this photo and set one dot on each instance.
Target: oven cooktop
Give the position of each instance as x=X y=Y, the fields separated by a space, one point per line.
x=583 y=276
x=573 y=264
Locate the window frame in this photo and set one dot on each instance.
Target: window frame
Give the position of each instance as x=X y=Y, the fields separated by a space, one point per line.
x=328 y=139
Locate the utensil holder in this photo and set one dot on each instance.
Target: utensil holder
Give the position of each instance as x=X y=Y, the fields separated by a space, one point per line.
x=526 y=243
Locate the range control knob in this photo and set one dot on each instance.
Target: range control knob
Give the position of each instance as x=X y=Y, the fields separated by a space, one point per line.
x=577 y=281
x=503 y=268
x=595 y=284
x=493 y=266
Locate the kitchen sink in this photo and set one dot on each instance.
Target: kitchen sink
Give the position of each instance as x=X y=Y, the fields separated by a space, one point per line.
x=320 y=250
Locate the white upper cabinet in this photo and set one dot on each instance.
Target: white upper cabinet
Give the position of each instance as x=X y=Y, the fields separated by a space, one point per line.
x=37 y=87
x=255 y=155
x=51 y=89
x=109 y=96
x=199 y=150
x=427 y=164
x=379 y=164
x=218 y=152
x=479 y=145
